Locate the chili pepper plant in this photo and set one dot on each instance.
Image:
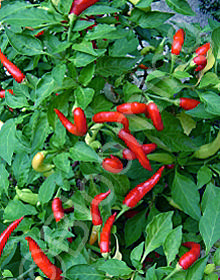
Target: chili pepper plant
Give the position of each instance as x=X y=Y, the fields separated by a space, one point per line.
x=109 y=141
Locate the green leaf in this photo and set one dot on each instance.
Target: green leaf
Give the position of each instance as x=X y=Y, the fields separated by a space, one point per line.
x=209 y=79
x=62 y=162
x=8 y=140
x=217 y=257
x=186 y=195
x=4 y=182
x=81 y=211
x=87 y=47
x=157 y=231
x=115 y=268
x=212 y=102
x=210 y=228
x=149 y=20
x=32 y=17
x=204 y=176
x=82 y=59
x=16 y=101
x=110 y=66
x=211 y=192
x=105 y=31
x=172 y=244
x=16 y=209
x=82 y=152
x=84 y=97
x=13 y=8
x=135 y=224
x=196 y=271
x=151 y=273
x=181 y=7
x=216 y=42
x=136 y=255
x=100 y=10
x=124 y=46
x=129 y=90
x=21 y=168
x=24 y=44
x=86 y=74
x=84 y=272
x=47 y=189
x=137 y=123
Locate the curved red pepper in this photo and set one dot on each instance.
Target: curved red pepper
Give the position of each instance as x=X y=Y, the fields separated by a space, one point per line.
x=190 y=257
x=7 y=232
x=57 y=209
x=12 y=69
x=178 y=40
x=42 y=261
x=79 y=6
x=132 y=108
x=136 y=194
x=112 y=164
x=80 y=126
x=111 y=117
x=203 y=49
x=154 y=114
x=188 y=103
x=80 y=121
x=106 y=234
x=135 y=147
x=147 y=148
x=2 y=92
x=95 y=213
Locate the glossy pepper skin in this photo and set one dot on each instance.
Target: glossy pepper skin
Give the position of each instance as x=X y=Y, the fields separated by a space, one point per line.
x=106 y=234
x=200 y=60
x=203 y=49
x=12 y=69
x=154 y=114
x=190 y=257
x=147 y=148
x=112 y=164
x=57 y=209
x=136 y=194
x=178 y=40
x=79 y=6
x=188 y=103
x=132 y=108
x=42 y=261
x=95 y=213
x=103 y=117
x=135 y=147
x=7 y=232
x=2 y=92
x=80 y=126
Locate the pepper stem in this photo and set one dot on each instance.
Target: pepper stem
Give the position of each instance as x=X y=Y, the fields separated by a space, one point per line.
x=123 y=210
x=173 y=58
x=177 y=269
x=72 y=18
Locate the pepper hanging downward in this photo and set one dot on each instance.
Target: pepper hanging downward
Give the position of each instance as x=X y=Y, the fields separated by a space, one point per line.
x=57 y=209
x=154 y=114
x=190 y=257
x=106 y=234
x=178 y=40
x=112 y=164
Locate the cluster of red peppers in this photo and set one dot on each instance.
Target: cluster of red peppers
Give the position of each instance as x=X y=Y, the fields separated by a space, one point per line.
x=200 y=60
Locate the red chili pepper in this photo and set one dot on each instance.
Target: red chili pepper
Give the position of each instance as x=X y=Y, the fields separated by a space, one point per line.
x=106 y=234
x=135 y=147
x=136 y=194
x=143 y=67
x=57 y=209
x=2 y=92
x=200 y=67
x=188 y=103
x=200 y=60
x=178 y=40
x=203 y=49
x=170 y=166
x=42 y=261
x=80 y=126
x=95 y=213
x=190 y=257
x=39 y=34
x=79 y=6
x=132 y=108
x=147 y=148
x=154 y=114
x=111 y=117
x=12 y=69
x=7 y=232
x=80 y=121
x=112 y=164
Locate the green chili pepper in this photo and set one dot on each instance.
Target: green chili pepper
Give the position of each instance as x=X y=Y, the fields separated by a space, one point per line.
x=27 y=196
x=209 y=149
